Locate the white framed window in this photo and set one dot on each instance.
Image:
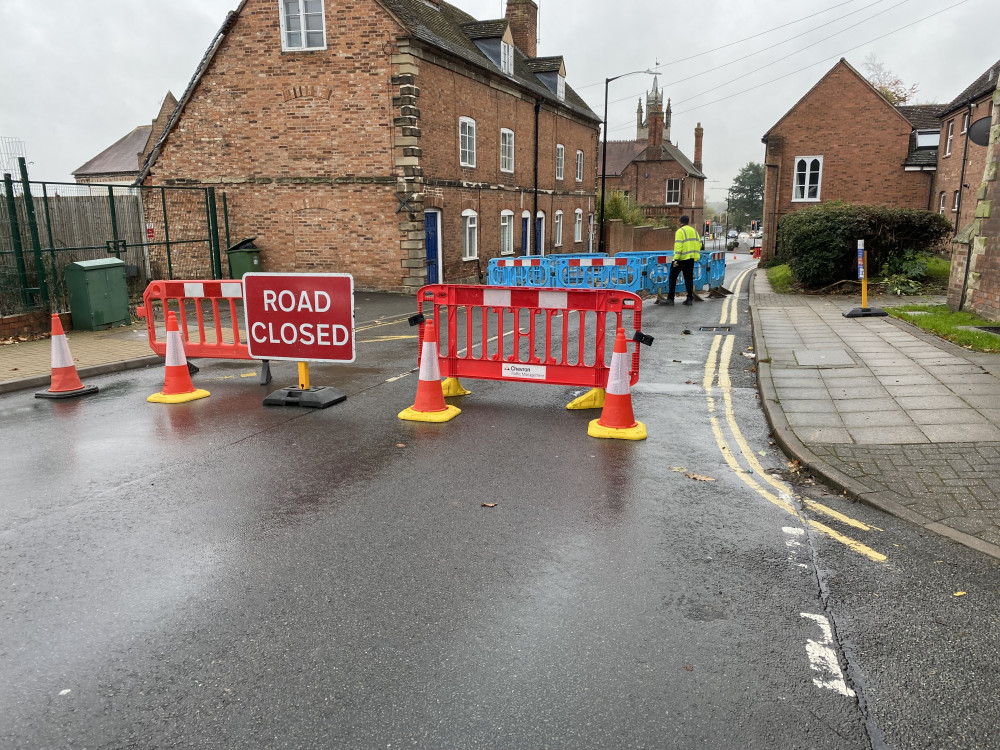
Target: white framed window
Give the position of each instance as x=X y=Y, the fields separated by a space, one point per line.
x=578 y=226
x=467 y=141
x=673 y=192
x=561 y=88
x=506 y=58
x=470 y=234
x=560 y=160
x=579 y=166
x=506 y=232
x=557 y=239
x=954 y=208
x=506 y=150
x=303 y=25
x=948 y=137
x=808 y=178
x=943 y=201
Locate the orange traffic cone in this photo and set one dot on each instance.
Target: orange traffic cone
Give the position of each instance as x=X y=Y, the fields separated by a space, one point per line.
x=430 y=405
x=65 y=380
x=177 y=385
x=617 y=419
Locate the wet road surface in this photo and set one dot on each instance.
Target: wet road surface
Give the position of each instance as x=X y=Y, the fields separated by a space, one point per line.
x=220 y=574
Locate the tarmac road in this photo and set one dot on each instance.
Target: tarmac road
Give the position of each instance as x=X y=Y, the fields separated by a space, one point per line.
x=219 y=574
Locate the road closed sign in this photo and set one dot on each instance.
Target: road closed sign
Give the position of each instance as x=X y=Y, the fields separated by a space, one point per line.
x=300 y=316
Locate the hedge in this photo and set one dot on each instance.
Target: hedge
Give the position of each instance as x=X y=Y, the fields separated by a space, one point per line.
x=820 y=243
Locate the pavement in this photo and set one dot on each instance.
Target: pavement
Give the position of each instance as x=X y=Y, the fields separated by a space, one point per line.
x=893 y=417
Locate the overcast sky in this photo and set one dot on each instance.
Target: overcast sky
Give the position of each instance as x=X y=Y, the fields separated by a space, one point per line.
x=77 y=75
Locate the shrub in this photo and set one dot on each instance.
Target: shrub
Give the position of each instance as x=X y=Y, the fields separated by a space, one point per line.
x=620 y=206
x=820 y=242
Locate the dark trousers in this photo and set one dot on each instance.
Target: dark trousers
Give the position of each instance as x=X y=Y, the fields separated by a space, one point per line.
x=687 y=268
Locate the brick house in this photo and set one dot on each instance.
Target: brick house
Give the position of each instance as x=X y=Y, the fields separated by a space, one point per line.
x=844 y=141
x=967 y=190
x=960 y=160
x=653 y=171
x=401 y=141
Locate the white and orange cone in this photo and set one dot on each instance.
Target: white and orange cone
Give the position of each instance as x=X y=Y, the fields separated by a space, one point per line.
x=617 y=419
x=429 y=405
x=177 y=385
x=66 y=382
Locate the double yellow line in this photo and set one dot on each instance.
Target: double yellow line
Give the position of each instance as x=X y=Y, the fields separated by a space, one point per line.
x=780 y=494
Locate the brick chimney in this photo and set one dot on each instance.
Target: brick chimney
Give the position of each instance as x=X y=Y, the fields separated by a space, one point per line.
x=655 y=138
x=523 y=17
x=699 y=132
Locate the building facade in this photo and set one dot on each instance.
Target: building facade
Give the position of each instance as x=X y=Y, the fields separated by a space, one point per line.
x=401 y=141
x=844 y=141
x=652 y=171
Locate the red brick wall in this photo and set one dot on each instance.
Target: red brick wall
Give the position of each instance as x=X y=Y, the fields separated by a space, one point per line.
x=949 y=171
x=863 y=142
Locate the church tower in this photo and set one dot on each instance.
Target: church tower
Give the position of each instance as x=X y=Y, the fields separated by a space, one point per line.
x=654 y=103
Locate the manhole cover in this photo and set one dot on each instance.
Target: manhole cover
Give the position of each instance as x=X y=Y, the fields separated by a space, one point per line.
x=716 y=328
x=990 y=329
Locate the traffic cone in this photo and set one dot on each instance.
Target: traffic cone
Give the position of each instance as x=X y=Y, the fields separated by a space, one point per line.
x=617 y=419
x=177 y=385
x=65 y=380
x=429 y=405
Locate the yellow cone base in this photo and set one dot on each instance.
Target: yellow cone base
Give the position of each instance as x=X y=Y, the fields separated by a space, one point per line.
x=410 y=414
x=592 y=399
x=452 y=387
x=178 y=398
x=621 y=433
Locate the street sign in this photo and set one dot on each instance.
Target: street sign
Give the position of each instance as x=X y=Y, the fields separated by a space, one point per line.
x=300 y=316
x=150 y=232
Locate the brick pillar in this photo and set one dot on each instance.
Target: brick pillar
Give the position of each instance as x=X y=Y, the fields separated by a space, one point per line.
x=523 y=17
x=655 y=138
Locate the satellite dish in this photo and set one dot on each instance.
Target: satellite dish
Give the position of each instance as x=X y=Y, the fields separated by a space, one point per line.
x=979 y=131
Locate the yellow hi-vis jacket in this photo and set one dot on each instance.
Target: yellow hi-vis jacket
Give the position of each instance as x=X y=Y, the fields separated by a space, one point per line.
x=686 y=243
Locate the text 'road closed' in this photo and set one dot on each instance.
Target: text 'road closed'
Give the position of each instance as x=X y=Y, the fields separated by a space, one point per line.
x=305 y=317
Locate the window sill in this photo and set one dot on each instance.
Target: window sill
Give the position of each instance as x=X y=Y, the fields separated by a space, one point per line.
x=806 y=200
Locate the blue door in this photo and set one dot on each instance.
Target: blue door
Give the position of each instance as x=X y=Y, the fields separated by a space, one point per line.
x=431 y=243
x=540 y=235
x=525 y=235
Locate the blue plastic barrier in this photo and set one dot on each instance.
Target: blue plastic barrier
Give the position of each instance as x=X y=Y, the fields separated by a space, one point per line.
x=626 y=274
x=533 y=271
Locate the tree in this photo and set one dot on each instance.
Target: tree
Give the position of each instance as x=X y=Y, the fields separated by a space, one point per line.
x=887 y=82
x=746 y=196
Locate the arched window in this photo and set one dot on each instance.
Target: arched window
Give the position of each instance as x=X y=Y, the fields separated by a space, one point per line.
x=808 y=177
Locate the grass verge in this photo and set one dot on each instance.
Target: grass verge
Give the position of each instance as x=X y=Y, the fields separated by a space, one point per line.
x=942 y=321
x=780 y=278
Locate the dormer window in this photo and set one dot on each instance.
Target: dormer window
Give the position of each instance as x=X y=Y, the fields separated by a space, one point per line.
x=561 y=90
x=507 y=58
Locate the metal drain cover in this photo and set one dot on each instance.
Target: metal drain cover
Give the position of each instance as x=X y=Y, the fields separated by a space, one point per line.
x=716 y=328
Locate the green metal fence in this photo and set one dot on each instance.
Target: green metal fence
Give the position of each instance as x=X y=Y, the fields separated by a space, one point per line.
x=159 y=232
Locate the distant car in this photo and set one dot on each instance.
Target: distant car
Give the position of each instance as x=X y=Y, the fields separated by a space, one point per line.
x=733 y=234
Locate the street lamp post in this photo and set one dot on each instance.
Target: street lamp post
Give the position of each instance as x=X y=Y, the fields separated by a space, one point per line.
x=604 y=148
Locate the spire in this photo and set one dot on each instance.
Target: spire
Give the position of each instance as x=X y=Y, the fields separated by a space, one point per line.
x=666 y=122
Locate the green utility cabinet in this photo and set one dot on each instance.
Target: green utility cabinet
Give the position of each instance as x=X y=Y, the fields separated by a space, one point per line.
x=98 y=295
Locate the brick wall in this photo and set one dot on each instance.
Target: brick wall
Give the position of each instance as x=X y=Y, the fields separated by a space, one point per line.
x=862 y=140
x=981 y=241
x=949 y=172
x=32 y=323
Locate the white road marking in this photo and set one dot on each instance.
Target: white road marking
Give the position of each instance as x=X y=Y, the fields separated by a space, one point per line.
x=823 y=658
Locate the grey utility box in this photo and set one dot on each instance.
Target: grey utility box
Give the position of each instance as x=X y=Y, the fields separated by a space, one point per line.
x=98 y=295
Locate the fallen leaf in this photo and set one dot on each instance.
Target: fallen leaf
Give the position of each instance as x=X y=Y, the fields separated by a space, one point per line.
x=688 y=668
x=400 y=445
x=686 y=332
x=959 y=593
x=700 y=477
x=678 y=468
x=489 y=505
x=689 y=382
